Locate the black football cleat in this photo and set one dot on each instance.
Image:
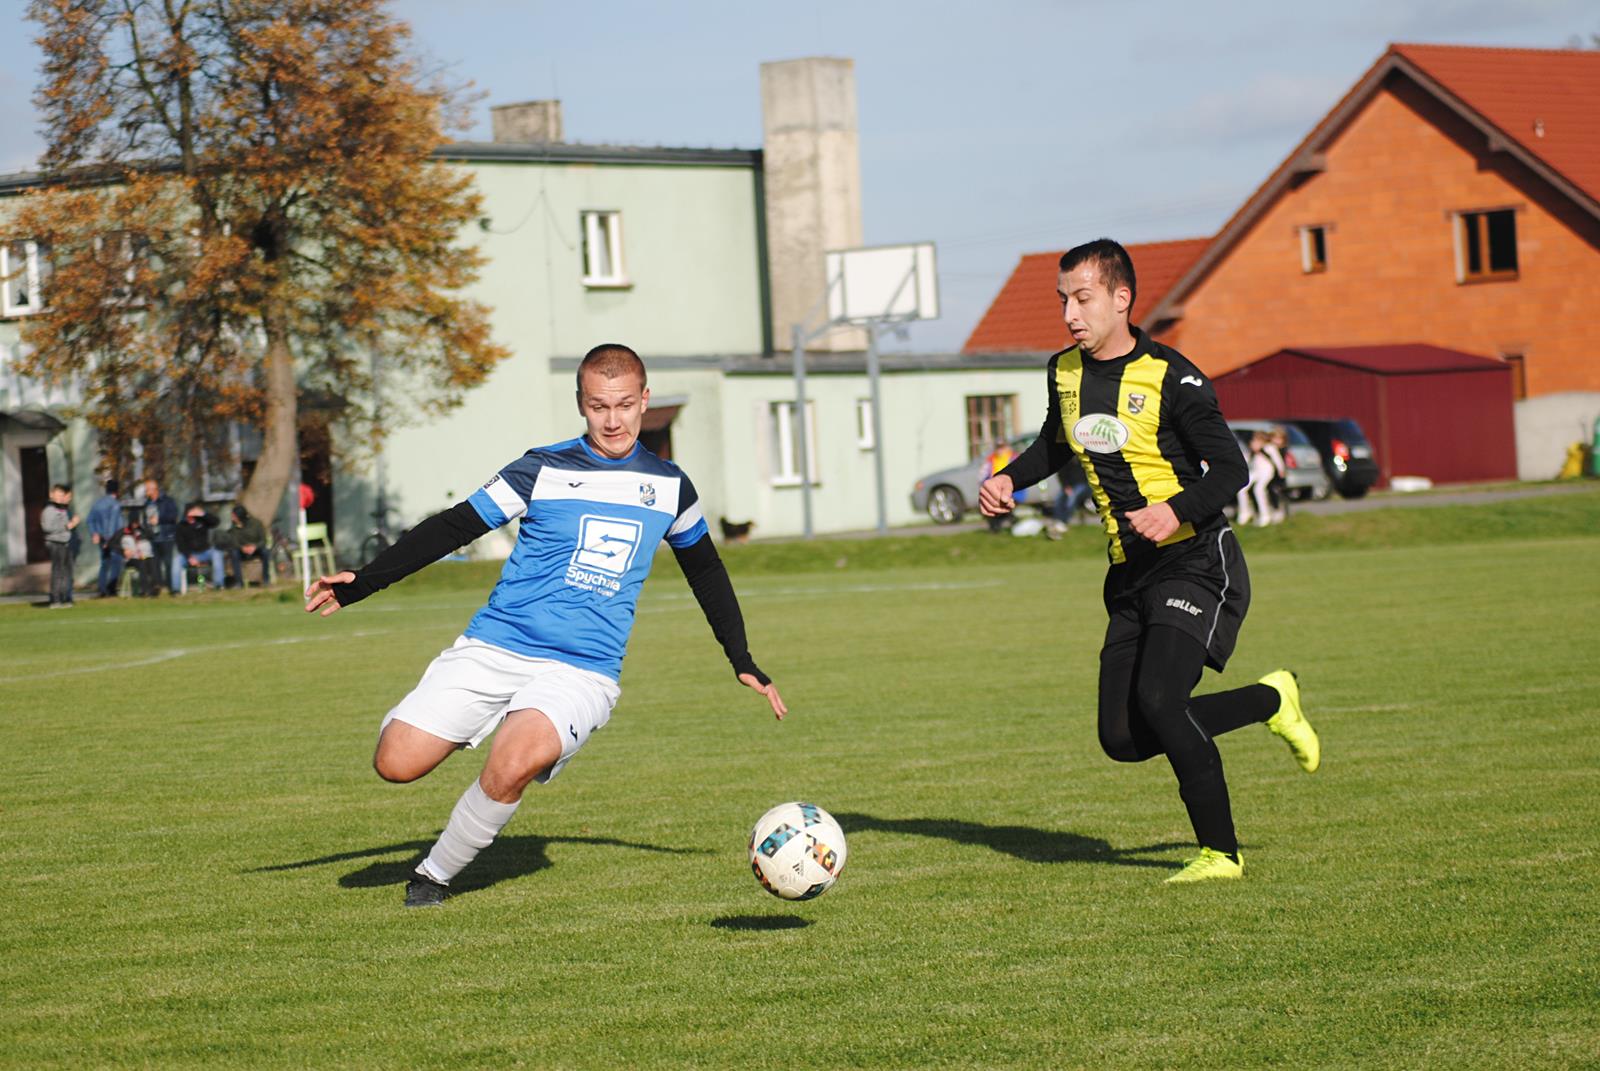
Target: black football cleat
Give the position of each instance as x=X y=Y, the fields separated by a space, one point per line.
x=425 y=892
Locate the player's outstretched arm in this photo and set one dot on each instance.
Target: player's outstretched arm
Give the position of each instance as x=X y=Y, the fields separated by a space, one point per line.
x=421 y=546
x=708 y=579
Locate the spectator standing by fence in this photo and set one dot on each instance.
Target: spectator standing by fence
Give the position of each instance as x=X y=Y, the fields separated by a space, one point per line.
x=58 y=522
x=161 y=525
x=105 y=531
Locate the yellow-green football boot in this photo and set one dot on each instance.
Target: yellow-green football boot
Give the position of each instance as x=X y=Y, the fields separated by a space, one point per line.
x=1210 y=864
x=1290 y=721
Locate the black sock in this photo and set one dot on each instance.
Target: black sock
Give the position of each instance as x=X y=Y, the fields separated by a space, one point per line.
x=1223 y=712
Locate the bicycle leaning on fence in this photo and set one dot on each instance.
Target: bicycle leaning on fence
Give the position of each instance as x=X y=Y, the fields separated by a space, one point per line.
x=379 y=539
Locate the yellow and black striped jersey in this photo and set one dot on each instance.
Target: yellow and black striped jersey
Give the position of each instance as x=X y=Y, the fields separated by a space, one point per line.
x=1146 y=428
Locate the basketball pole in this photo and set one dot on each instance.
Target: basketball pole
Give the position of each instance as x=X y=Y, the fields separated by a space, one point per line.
x=801 y=338
x=800 y=416
x=872 y=324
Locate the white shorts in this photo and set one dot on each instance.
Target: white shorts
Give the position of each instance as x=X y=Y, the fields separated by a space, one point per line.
x=470 y=688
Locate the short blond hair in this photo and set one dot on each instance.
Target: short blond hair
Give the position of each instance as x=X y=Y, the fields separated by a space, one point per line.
x=611 y=360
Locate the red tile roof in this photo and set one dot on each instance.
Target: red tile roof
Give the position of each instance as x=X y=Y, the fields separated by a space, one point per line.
x=1026 y=317
x=1546 y=100
x=1394 y=360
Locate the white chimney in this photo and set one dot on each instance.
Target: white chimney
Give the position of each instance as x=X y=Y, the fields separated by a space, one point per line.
x=531 y=121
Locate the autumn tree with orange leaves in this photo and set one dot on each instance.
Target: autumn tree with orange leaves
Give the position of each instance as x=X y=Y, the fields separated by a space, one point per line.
x=240 y=208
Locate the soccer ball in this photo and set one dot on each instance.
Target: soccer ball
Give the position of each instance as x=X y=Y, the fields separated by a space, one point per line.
x=797 y=851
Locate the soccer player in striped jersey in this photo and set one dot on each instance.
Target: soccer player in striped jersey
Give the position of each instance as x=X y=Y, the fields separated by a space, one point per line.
x=1161 y=463
x=540 y=661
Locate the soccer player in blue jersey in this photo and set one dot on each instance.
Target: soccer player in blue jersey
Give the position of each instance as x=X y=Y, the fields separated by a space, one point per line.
x=540 y=661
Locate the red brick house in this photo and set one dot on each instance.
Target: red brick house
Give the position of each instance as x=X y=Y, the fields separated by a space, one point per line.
x=1452 y=198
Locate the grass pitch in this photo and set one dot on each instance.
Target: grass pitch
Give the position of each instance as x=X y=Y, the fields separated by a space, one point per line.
x=202 y=871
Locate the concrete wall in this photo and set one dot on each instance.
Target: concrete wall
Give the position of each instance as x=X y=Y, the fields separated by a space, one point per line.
x=1547 y=425
x=1394 y=175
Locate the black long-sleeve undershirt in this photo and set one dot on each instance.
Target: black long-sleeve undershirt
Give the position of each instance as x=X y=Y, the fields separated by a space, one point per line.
x=459 y=525
x=432 y=539
x=713 y=590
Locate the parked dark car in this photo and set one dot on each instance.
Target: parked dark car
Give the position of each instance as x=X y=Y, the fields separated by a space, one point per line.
x=1346 y=454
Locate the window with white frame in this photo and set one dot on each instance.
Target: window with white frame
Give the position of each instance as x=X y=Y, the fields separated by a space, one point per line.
x=23 y=268
x=786 y=444
x=865 y=439
x=602 y=249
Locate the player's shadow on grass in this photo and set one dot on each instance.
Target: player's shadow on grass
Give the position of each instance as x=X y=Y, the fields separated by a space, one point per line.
x=1023 y=842
x=508 y=857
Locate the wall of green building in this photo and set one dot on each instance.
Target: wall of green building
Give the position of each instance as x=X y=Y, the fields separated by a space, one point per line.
x=693 y=262
x=924 y=429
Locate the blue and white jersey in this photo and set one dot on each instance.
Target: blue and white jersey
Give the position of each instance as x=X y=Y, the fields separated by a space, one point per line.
x=590 y=526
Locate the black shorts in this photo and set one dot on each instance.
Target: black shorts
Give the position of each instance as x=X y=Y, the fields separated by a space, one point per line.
x=1200 y=587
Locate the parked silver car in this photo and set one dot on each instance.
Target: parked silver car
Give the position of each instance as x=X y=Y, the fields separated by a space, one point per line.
x=1304 y=477
x=948 y=494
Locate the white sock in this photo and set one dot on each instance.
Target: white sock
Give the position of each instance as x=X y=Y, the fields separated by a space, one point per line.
x=473 y=825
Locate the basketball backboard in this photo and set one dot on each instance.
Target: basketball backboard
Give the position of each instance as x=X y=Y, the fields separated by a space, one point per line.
x=890 y=282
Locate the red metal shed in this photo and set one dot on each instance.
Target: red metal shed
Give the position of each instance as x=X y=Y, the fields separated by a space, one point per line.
x=1429 y=411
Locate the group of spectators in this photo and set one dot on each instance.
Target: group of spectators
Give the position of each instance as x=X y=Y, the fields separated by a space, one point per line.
x=153 y=540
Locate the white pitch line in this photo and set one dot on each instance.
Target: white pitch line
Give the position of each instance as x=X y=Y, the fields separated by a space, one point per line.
x=750 y=594
x=176 y=653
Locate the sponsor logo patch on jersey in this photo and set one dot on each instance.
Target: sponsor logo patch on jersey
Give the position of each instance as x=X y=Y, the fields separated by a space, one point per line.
x=1185 y=605
x=1100 y=433
x=1193 y=381
x=605 y=550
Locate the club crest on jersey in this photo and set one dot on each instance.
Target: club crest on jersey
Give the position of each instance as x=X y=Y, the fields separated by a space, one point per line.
x=1135 y=404
x=1100 y=433
x=647 y=494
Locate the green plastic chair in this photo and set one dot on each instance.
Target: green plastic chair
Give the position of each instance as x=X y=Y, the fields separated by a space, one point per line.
x=320 y=544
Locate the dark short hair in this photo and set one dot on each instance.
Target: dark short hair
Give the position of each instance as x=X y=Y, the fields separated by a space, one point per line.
x=1110 y=260
x=63 y=488
x=611 y=360
x=112 y=487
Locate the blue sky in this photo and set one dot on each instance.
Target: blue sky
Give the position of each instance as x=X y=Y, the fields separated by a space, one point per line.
x=992 y=129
